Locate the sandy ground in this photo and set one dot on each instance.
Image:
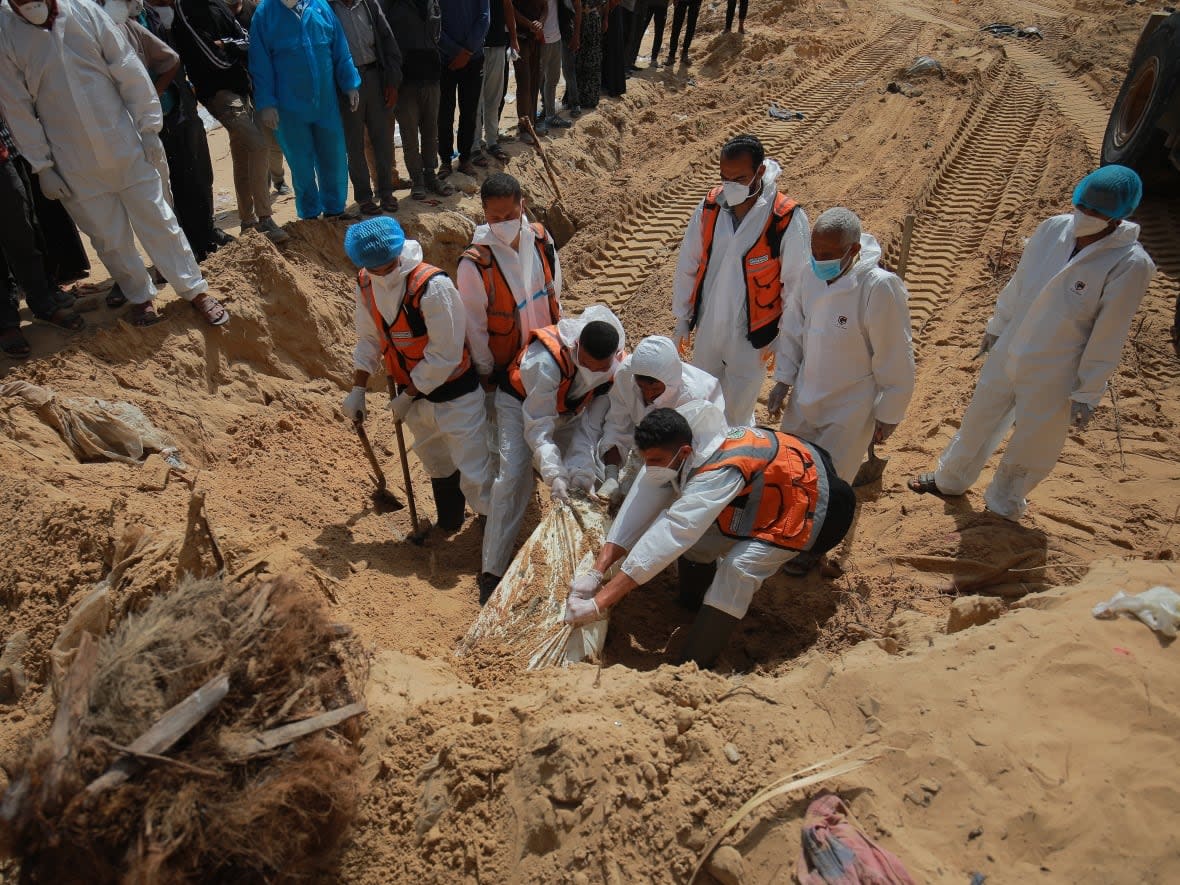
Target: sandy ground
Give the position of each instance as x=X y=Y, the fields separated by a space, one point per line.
x=1038 y=747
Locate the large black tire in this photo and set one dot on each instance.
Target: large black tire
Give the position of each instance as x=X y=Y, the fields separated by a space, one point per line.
x=1133 y=137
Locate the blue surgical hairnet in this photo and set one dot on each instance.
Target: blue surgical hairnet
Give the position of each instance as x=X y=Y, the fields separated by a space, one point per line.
x=1115 y=191
x=374 y=242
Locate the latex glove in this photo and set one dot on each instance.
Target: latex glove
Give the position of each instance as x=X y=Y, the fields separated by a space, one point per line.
x=354 y=405
x=1080 y=415
x=390 y=97
x=559 y=490
x=581 y=611
x=882 y=432
x=610 y=491
x=985 y=346
x=52 y=184
x=778 y=396
x=269 y=117
x=354 y=100
x=583 y=482
x=400 y=406
x=585 y=585
x=153 y=148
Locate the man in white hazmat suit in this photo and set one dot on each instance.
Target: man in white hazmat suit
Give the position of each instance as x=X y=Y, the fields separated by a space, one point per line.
x=844 y=350
x=86 y=117
x=509 y=279
x=653 y=377
x=410 y=321
x=733 y=505
x=549 y=413
x=745 y=249
x=1052 y=343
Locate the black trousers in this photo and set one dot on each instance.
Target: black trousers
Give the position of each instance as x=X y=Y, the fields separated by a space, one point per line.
x=67 y=259
x=467 y=84
x=191 y=178
x=23 y=250
x=729 y=9
x=645 y=11
x=685 y=9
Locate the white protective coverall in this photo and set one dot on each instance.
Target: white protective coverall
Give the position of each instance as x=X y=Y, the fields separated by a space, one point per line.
x=450 y=435
x=532 y=433
x=656 y=357
x=77 y=99
x=658 y=524
x=1061 y=323
x=720 y=346
x=526 y=277
x=846 y=351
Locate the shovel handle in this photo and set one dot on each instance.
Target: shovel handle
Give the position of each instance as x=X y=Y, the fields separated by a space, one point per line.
x=401 y=451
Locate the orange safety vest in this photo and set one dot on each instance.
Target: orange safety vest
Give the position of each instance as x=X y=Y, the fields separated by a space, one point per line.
x=761 y=266
x=566 y=405
x=504 y=334
x=404 y=341
x=783 y=487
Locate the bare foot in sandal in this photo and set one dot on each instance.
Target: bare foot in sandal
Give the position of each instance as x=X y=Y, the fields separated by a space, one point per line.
x=211 y=309
x=924 y=484
x=65 y=318
x=144 y=314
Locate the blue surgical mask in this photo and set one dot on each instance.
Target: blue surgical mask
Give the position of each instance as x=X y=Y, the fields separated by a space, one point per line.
x=827 y=270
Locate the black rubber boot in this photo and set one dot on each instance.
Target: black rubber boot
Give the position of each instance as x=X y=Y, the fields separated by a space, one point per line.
x=695 y=580
x=707 y=637
x=449 y=502
x=487 y=583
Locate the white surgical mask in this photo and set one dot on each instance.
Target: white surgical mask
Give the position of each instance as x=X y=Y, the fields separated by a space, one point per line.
x=734 y=192
x=665 y=475
x=118 y=10
x=505 y=231
x=1087 y=225
x=166 y=15
x=667 y=399
x=34 y=13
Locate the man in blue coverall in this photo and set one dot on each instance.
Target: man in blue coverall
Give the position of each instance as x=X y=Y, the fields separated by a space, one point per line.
x=464 y=26
x=298 y=59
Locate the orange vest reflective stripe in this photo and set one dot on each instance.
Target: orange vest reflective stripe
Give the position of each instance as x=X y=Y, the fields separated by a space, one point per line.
x=761 y=267
x=504 y=336
x=783 y=486
x=551 y=340
x=403 y=342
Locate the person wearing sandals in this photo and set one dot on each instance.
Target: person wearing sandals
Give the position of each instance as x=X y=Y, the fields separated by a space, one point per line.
x=22 y=257
x=90 y=135
x=418 y=25
x=1053 y=342
x=379 y=61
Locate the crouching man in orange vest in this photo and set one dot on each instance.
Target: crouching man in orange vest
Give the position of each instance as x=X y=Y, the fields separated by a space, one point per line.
x=734 y=505
x=745 y=244
x=509 y=279
x=550 y=411
x=410 y=321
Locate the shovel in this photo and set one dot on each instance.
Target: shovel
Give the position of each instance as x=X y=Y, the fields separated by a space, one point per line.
x=420 y=529
x=384 y=501
x=870 y=470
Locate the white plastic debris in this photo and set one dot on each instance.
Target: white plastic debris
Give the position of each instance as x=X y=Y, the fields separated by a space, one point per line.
x=524 y=616
x=1158 y=608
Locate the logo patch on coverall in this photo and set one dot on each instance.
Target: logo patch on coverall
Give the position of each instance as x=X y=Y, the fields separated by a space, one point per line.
x=1079 y=286
x=841 y=322
x=735 y=433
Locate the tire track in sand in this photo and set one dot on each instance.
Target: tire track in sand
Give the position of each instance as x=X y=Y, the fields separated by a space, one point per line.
x=657 y=222
x=994 y=161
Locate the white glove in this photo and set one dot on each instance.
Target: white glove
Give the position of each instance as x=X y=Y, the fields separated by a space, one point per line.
x=400 y=406
x=269 y=117
x=609 y=491
x=581 y=611
x=52 y=185
x=778 y=396
x=153 y=149
x=354 y=100
x=354 y=405
x=559 y=490
x=585 y=585
x=1080 y=415
x=985 y=346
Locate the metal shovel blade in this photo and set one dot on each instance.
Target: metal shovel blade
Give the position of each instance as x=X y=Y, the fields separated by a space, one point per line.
x=871 y=470
x=384 y=501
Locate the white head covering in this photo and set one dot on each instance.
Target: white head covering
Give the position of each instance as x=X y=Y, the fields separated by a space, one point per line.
x=708 y=428
x=657 y=357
